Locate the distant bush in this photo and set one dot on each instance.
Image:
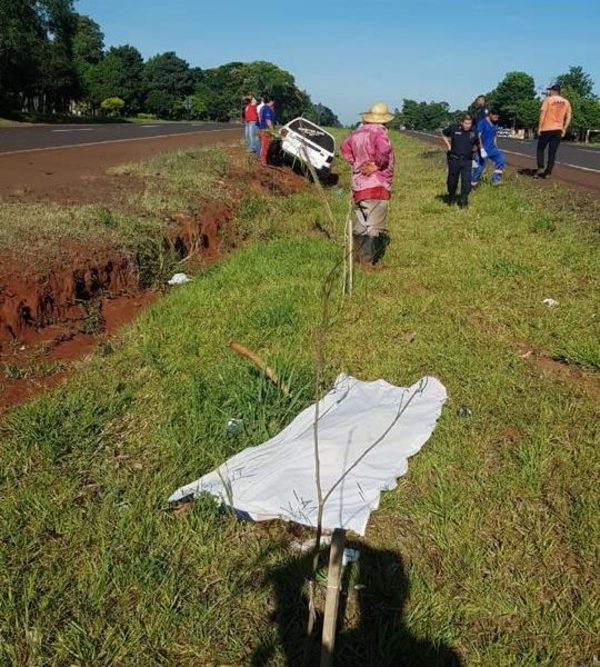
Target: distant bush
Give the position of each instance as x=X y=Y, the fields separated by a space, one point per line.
x=112 y=106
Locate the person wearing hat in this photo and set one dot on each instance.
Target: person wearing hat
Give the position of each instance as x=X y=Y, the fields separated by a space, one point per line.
x=371 y=156
x=555 y=118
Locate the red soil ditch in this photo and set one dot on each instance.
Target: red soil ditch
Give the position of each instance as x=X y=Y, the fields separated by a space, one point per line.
x=84 y=293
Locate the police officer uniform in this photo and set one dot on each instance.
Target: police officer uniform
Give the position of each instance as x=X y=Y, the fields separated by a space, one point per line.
x=464 y=145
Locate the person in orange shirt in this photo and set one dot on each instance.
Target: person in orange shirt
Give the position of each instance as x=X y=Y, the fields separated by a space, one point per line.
x=555 y=118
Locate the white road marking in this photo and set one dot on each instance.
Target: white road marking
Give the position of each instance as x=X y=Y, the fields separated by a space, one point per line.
x=76 y=129
x=145 y=127
x=112 y=141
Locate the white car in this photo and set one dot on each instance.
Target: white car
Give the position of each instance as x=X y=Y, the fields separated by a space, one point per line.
x=306 y=141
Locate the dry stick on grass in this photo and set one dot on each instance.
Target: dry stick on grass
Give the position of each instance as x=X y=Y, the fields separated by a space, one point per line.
x=261 y=364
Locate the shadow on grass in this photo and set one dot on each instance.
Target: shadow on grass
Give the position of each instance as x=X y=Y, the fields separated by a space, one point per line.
x=527 y=172
x=371 y=628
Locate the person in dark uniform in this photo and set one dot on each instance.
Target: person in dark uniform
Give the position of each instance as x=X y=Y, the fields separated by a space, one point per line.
x=462 y=142
x=480 y=110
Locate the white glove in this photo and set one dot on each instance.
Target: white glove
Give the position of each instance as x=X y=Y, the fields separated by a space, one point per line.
x=483 y=153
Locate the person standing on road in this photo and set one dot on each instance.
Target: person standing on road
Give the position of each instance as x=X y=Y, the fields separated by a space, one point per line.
x=480 y=110
x=371 y=156
x=251 y=124
x=487 y=129
x=555 y=118
x=462 y=142
x=266 y=124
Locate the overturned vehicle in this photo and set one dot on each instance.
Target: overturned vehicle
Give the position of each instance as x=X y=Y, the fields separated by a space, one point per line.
x=303 y=141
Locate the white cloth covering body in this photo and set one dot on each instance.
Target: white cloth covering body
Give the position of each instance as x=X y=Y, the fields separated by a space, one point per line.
x=277 y=479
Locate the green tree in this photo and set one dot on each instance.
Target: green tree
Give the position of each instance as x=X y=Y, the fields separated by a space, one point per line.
x=167 y=80
x=586 y=113
x=22 y=37
x=88 y=52
x=527 y=113
x=506 y=97
x=119 y=74
x=425 y=115
x=410 y=114
x=577 y=80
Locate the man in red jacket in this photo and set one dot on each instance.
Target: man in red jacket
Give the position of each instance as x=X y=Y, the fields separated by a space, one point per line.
x=251 y=124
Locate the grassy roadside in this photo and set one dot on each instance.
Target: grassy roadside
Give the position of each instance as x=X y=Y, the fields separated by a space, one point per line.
x=36 y=234
x=488 y=546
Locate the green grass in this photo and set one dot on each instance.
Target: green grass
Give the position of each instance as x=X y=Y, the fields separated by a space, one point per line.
x=488 y=547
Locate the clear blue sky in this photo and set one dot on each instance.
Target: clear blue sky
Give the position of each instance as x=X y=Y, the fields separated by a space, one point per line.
x=349 y=54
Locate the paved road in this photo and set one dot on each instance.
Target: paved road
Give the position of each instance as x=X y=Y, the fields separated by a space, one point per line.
x=569 y=155
x=44 y=137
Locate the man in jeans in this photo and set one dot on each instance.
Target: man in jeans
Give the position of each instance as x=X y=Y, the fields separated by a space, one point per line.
x=251 y=124
x=371 y=157
x=555 y=118
x=266 y=124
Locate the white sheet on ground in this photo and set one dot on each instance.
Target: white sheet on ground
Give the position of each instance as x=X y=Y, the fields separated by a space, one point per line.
x=277 y=479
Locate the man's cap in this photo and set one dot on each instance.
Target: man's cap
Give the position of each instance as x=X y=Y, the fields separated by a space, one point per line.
x=555 y=87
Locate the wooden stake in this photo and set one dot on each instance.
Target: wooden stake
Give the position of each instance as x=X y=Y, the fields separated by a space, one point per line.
x=259 y=363
x=332 y=603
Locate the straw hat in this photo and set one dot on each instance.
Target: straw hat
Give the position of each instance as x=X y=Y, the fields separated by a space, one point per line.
x=378 y=113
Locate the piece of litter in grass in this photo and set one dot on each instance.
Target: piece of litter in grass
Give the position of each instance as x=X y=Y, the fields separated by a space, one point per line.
x=309 y=545
x=527 y=354
x=551 y=303
x=179 y=279
x=463 y=411
x=235 y=426
x=350 y=556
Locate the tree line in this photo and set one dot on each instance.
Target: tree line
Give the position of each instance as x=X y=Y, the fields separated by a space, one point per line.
x=517 y=102
x=53 y=62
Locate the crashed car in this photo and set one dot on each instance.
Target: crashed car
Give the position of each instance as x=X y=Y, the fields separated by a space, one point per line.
x=305 y=141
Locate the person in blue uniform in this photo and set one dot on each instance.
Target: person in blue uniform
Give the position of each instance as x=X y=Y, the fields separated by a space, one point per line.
x=487 y=129
x=462 y=142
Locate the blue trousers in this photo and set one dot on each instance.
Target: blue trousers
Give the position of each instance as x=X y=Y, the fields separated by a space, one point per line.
x=497 y=157
x=251 y=135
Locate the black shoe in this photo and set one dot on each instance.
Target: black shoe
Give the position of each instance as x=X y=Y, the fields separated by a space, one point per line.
x=381 y=243
x=463 y=202
x=540 y=174
x=451 y=200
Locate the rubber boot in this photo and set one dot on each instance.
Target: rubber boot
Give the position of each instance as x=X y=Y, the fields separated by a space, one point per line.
x=381 y=243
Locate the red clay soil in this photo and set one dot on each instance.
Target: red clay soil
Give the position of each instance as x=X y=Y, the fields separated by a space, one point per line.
x=78 y=174
x=46 y=315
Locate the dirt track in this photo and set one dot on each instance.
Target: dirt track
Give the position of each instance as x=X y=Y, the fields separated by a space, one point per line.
x=78 y=175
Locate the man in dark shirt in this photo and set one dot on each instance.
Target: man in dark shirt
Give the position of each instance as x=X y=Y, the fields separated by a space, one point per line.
x=480 y=110
x=462 y=142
